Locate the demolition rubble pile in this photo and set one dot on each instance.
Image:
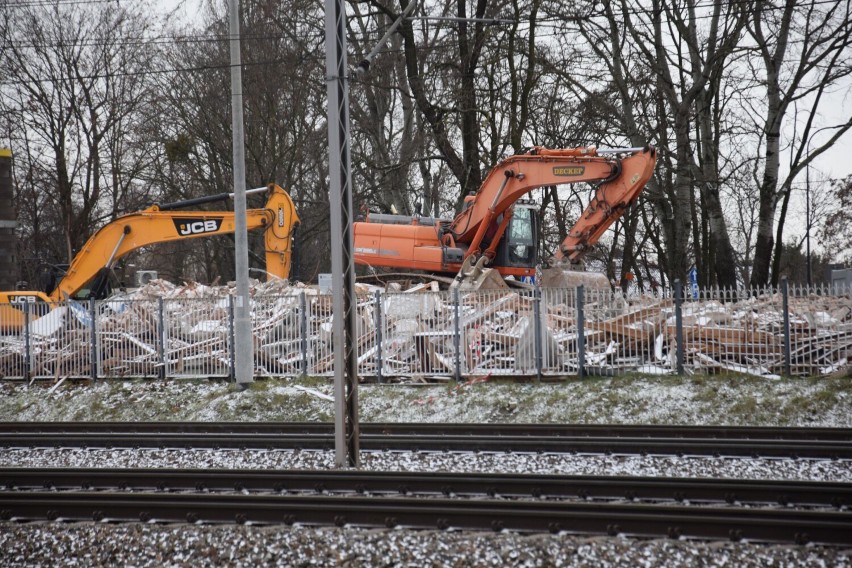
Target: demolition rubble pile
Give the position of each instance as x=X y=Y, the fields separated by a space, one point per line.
x=185 y=331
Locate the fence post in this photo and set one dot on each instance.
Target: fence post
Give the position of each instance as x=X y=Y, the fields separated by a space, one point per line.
x=161 y=340
x=92 y=314
x=678 y=290
x=303 y=331
x=378 y=316
x=28 y=363
x=232 y=356
x=456 y=334
x=785 y=294
x=581 y=332
x=537 y=329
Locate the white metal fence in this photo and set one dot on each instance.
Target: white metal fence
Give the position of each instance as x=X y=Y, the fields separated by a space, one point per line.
x=534 y=333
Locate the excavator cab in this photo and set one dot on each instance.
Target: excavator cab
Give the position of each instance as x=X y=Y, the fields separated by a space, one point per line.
x=519 y=247
x=99 y=287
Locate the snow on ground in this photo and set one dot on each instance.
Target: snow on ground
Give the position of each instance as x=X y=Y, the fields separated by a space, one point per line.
x=726 y=400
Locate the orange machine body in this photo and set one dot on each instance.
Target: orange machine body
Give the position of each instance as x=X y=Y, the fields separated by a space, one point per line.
x=441 y=245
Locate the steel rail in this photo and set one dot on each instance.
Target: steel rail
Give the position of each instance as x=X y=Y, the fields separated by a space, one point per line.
x=786 y=493
x=458 y=429
x=765 y=448
x=736 y=523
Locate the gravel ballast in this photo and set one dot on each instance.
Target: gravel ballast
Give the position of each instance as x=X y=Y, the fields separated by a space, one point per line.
x=632 y=400
x=549 y=464
x=87 y=544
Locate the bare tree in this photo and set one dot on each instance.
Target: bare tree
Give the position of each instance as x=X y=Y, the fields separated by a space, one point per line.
x=441 y=75
x=74 y=79
x=285 y=124
x=387 y=145
x=805 y=51
x=685 y=58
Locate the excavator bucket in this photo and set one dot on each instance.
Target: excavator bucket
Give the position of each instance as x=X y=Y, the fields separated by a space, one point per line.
x=478 y=277
x=559 y=277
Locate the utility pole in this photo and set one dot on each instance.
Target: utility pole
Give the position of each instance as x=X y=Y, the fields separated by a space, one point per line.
x=243 y=344
x=808 y=220
x=346 y=435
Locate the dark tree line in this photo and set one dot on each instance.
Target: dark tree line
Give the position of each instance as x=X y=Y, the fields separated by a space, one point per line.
x=109 y=108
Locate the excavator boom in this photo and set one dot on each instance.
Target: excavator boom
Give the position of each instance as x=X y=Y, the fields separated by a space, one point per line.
x=155 y=225
x=620 y=181
x=131 y=232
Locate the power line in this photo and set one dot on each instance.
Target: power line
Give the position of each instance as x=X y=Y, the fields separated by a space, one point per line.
x=165 y=40
x=649 y=11
x=40 y=3
x=156 y=40
x=553 y=22
x=153 y=72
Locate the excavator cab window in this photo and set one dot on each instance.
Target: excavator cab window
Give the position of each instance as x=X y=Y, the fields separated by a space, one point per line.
x=519 y=246
x=49 y=275
x=99 y=287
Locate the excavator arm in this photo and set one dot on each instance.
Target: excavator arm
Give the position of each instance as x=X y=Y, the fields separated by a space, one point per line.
x=153 y=225
x=158 y=224
x=611 y=201
x=620 y=181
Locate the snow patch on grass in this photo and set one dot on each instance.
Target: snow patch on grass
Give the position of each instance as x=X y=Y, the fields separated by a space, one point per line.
x=729 y=400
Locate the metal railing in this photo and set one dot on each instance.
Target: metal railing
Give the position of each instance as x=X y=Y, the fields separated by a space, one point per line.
x=789 y=331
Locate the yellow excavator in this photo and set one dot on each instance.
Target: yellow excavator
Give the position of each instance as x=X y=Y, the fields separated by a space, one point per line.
x=89 y=270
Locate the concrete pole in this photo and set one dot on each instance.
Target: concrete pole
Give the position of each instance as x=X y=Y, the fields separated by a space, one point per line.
x=243 y=344
x=346 y=430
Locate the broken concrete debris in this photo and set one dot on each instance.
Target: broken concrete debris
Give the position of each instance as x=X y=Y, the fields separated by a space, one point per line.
x=417 y=334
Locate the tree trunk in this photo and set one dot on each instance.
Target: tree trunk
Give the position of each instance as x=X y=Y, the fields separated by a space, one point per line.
x=721 y=251
x=766 y=213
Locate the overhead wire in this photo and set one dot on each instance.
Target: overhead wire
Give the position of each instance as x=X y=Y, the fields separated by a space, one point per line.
x=636 y=10
x=551 y=22
x=166 y=40
x=40 y=3
x=543 y=21
x=152 y=72
x=155 y=40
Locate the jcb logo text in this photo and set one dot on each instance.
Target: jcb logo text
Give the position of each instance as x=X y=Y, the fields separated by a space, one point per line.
x=187 y=227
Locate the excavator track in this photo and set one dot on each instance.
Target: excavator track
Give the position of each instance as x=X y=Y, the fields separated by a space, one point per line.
x=445 y=281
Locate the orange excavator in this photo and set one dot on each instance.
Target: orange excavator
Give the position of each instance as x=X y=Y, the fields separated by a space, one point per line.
x=496 y=234
x=87 y=276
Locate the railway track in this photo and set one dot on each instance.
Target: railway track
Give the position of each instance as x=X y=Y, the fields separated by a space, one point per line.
x=816 y=443
x=530 y=486
x=647 y=520
x=772 y=511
